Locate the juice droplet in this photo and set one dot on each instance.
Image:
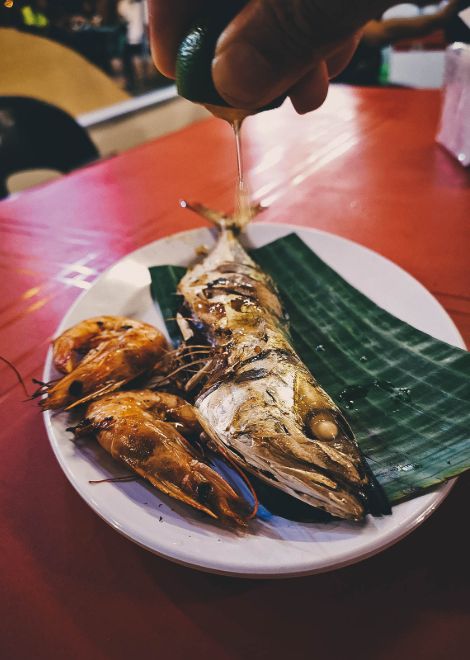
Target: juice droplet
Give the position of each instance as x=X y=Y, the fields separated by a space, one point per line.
x=350 y=395
x=402 y=394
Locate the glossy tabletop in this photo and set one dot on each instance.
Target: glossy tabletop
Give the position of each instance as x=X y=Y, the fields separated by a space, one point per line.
x=365 y=166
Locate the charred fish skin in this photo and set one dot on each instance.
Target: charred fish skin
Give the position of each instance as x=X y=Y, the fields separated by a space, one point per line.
x=261 y=404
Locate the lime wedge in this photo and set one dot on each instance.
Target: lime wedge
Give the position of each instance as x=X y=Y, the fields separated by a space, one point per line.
x=194 y=61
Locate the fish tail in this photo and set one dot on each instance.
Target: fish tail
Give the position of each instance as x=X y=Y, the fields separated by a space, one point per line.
x=235 y=223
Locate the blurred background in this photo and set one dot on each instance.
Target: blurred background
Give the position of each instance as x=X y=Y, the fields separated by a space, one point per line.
x=91 y=58
x=110 y=34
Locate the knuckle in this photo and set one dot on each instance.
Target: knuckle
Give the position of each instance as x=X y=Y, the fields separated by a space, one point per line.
x=304 y=26
x=292 y=27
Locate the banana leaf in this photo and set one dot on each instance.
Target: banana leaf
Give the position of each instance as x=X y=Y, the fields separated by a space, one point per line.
x=163 y=283
x=405 y=393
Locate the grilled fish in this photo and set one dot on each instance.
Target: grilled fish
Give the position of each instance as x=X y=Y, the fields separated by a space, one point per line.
x=260 y=403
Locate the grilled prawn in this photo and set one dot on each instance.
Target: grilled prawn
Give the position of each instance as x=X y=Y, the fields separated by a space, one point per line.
x=260 y=403
x=98 y=356
x=141 y=429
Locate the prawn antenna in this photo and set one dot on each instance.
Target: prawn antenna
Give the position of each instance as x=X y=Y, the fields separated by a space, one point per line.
x=17 y=374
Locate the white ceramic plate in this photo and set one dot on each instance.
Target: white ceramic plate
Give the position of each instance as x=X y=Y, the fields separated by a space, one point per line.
x=278 y=547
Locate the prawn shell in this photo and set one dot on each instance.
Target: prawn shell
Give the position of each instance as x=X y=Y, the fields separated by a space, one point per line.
x=117 y=350
x=129 y=426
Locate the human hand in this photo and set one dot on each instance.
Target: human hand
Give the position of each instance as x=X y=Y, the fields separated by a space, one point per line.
x=449 y=10
x=271 y=46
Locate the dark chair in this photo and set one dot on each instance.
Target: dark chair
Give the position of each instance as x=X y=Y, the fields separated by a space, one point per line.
x=37 y=135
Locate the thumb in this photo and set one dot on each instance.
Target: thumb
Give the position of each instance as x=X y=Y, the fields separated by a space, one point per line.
x=271 y=44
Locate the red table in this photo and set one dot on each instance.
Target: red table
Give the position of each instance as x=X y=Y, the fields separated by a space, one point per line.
x=365 y=166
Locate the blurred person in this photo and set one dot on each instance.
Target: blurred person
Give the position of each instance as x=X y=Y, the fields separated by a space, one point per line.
x=134 y=13
x=366 y=63
x=107 y=10
x=116 y=40
x=83 y=24
x=81 y=14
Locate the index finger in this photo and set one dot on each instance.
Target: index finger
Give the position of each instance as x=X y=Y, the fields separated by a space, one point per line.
x=169 y=20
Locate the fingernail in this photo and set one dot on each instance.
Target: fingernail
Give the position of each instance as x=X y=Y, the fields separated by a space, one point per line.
x=243 y=76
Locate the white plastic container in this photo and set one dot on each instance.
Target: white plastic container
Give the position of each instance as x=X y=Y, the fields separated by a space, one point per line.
x=454 y=129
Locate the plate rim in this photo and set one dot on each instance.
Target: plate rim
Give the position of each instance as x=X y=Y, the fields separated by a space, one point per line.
x=347 y=557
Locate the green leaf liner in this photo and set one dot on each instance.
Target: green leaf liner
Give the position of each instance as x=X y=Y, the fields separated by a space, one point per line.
x=405 y=393
x=164 y=280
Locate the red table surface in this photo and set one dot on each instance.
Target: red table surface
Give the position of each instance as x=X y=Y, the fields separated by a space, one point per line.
x=365 y=166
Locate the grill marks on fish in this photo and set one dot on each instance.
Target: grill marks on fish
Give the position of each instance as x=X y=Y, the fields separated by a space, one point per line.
x=239 y=285
x=260 y=403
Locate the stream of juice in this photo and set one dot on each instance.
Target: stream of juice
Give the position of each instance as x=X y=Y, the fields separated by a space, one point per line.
x=243 y=211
